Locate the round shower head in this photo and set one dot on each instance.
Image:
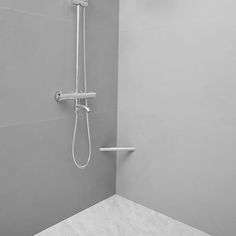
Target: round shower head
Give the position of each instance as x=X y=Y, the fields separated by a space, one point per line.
x=83 y=3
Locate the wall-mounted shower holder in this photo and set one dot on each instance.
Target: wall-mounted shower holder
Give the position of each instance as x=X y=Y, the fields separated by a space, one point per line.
x=60 y=96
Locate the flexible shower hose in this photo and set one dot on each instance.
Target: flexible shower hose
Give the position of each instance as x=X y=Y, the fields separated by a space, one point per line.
x=81 y=166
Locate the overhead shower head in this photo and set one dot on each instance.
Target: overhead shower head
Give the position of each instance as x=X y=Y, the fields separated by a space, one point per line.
x=83 y=3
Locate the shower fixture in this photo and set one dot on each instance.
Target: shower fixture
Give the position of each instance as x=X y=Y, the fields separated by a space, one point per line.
x=83 y=3
x=78 y=96
x=60 y=96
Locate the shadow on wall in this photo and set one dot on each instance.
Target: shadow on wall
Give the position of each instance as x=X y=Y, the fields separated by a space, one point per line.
x=221 y=105
x=153 y=5
x=141 y=14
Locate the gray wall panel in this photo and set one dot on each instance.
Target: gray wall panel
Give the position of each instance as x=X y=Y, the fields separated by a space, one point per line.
x=39 y=184
x=177 y=106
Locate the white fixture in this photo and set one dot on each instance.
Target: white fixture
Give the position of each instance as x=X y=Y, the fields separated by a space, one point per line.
x=60 y=96
x=117 y=149
x=77 y=96
x=83 y=3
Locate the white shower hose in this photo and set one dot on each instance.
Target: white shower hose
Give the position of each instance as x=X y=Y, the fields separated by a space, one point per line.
x=81 y=166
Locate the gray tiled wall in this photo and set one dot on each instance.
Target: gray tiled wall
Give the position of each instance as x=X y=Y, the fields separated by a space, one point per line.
x=39 y=185
x=177 y=106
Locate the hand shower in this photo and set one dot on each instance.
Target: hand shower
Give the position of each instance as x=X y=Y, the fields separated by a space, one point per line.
x=78 y=96
x=83 y=4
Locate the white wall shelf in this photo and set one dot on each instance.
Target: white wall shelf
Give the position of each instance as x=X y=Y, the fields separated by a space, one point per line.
x=117 y=149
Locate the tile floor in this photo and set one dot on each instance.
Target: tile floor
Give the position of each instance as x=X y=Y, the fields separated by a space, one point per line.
x=117 y=216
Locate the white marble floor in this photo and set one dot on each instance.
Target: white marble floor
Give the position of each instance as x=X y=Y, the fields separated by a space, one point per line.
x=117 y=216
